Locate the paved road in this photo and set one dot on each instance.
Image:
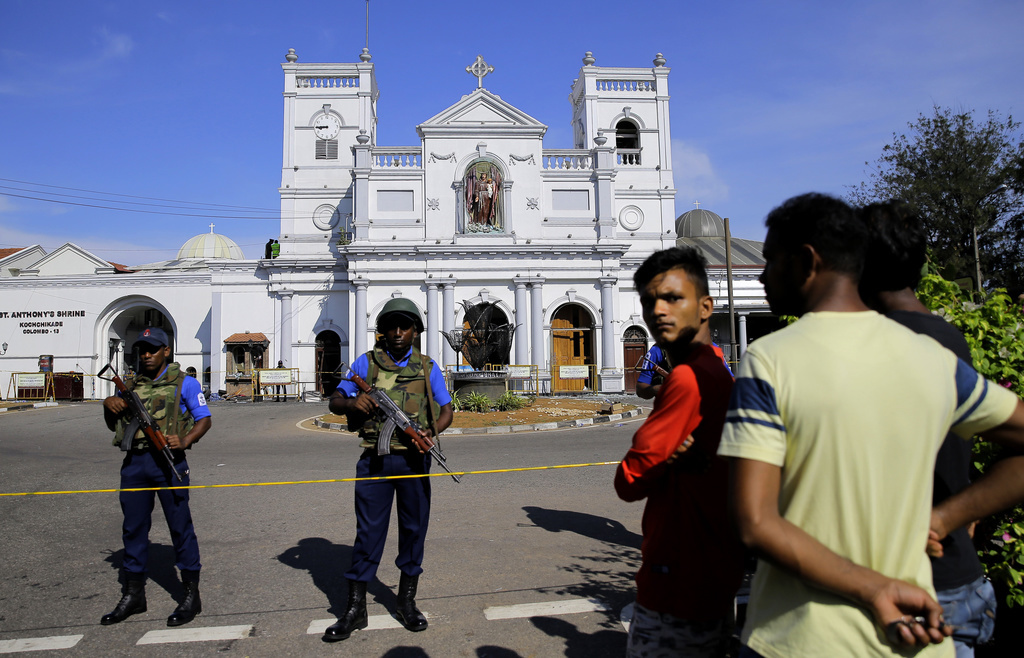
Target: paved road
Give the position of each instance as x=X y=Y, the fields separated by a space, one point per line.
x=533 y=563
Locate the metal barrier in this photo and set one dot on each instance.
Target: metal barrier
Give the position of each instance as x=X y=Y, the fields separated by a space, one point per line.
x=276 y=383
x=31 y=386
x=523 y=379
x=574 y=378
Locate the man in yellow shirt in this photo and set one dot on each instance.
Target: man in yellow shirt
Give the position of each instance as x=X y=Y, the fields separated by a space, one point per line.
x=832 y=432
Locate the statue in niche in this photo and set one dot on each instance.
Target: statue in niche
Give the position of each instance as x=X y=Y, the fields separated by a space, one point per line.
x=483 y=198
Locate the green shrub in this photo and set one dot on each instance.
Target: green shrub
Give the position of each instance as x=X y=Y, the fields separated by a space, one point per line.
x=994 y=328
x=474 y=401
x=509 y=401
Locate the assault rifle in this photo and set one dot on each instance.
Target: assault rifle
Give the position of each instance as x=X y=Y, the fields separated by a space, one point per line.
x=645 y=362
x=395 y=418
x=141 y=420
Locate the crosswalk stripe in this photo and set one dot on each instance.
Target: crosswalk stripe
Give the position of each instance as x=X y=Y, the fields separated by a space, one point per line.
x=39 y=643
x=560 y=607
x=200 y=634
x=376 y=623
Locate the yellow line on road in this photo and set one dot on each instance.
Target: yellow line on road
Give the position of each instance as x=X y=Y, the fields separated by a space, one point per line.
x=278 y=484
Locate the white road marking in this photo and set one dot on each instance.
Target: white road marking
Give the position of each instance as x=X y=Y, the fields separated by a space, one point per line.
x=201 y=634
x=39 y=643
x=561 y=607
x=376 y=623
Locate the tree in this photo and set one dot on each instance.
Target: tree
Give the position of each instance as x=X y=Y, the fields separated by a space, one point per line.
x=964 y=178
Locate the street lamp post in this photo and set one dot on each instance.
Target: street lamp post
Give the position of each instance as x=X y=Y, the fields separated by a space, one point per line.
x=974 y=235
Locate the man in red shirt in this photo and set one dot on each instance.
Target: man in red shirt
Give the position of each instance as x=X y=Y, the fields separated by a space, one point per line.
x=692 y=560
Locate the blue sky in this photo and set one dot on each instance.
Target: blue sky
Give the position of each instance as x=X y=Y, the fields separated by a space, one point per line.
x=182 y=100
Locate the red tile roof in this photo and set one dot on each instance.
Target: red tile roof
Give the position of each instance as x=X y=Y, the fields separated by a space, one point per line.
x=247 y=337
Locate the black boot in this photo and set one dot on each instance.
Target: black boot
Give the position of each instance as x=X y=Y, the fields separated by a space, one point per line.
x=410 y=617
x=354 y=616
x=189 y=607
x=132 y=602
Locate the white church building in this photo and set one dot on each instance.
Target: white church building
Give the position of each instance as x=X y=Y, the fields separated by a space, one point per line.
x=478 y=212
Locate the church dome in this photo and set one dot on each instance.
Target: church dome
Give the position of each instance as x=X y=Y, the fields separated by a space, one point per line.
x=700 y=223
x=206 y=246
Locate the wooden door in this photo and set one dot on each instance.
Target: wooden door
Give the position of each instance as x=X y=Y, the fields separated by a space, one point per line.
x=571 y=345
x=634 y=346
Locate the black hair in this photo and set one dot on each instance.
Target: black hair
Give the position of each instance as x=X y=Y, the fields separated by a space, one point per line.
x=826 y=223
x=689 y=259
x=897 y=247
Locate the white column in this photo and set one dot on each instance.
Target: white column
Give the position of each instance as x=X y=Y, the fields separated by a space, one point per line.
x=359 y=327
x=448 y=318
x=216 y=364
x=607 y=314
x=537 y=324
x=431 y=324
x=743 y=334
x=522 y=326
x=285 y=349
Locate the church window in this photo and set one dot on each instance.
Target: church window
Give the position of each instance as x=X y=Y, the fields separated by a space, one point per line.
x=627 y=142
x=326 y=149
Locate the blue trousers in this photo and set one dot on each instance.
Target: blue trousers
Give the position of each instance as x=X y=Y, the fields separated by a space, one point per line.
x=971 y=611
x=373 y=513
x=144 y=468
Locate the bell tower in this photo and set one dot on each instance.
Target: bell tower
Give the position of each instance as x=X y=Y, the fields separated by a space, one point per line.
x=326 y=109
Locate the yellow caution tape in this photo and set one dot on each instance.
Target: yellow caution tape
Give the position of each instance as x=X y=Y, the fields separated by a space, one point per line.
x=278 y=484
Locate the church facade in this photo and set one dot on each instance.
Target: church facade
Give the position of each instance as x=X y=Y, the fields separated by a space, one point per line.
x=479 y=212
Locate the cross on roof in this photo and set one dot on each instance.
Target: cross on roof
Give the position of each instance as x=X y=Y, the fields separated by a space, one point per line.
x=697 y=204
x=479 y=68
x=211 y=228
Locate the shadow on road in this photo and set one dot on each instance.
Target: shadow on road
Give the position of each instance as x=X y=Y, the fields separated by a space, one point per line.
x=160 y=568
x=583 y=645
x=588 y=525
x=604 y=574
x=326 y=563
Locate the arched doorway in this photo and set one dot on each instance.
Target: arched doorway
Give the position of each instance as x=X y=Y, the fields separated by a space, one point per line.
x=328 y=358
x=572 y=350
x=634 y=347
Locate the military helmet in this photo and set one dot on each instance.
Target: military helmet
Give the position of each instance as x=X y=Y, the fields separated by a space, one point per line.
x=403 y=306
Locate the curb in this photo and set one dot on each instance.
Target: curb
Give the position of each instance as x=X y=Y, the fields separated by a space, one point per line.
x=34 y=405
x=511 y=429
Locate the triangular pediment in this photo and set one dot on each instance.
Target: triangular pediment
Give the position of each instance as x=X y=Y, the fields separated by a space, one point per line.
x=69 y=260
x=481 y=111
x=21 y=259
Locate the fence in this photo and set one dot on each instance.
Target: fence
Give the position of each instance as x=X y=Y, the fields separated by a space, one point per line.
x=276 y=382
x=574 y=378
x=31 y=386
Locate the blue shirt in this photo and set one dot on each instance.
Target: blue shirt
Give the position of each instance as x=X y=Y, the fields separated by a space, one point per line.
x=193 y=400
x=362 y=365
x=654 y=355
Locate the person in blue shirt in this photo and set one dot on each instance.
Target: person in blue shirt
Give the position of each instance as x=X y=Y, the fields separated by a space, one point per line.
x=416 y=384
x=178 y=407
x=648 y=383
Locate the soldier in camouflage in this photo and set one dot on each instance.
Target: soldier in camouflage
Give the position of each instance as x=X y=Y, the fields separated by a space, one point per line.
x=178 y=406
x=416 y=384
